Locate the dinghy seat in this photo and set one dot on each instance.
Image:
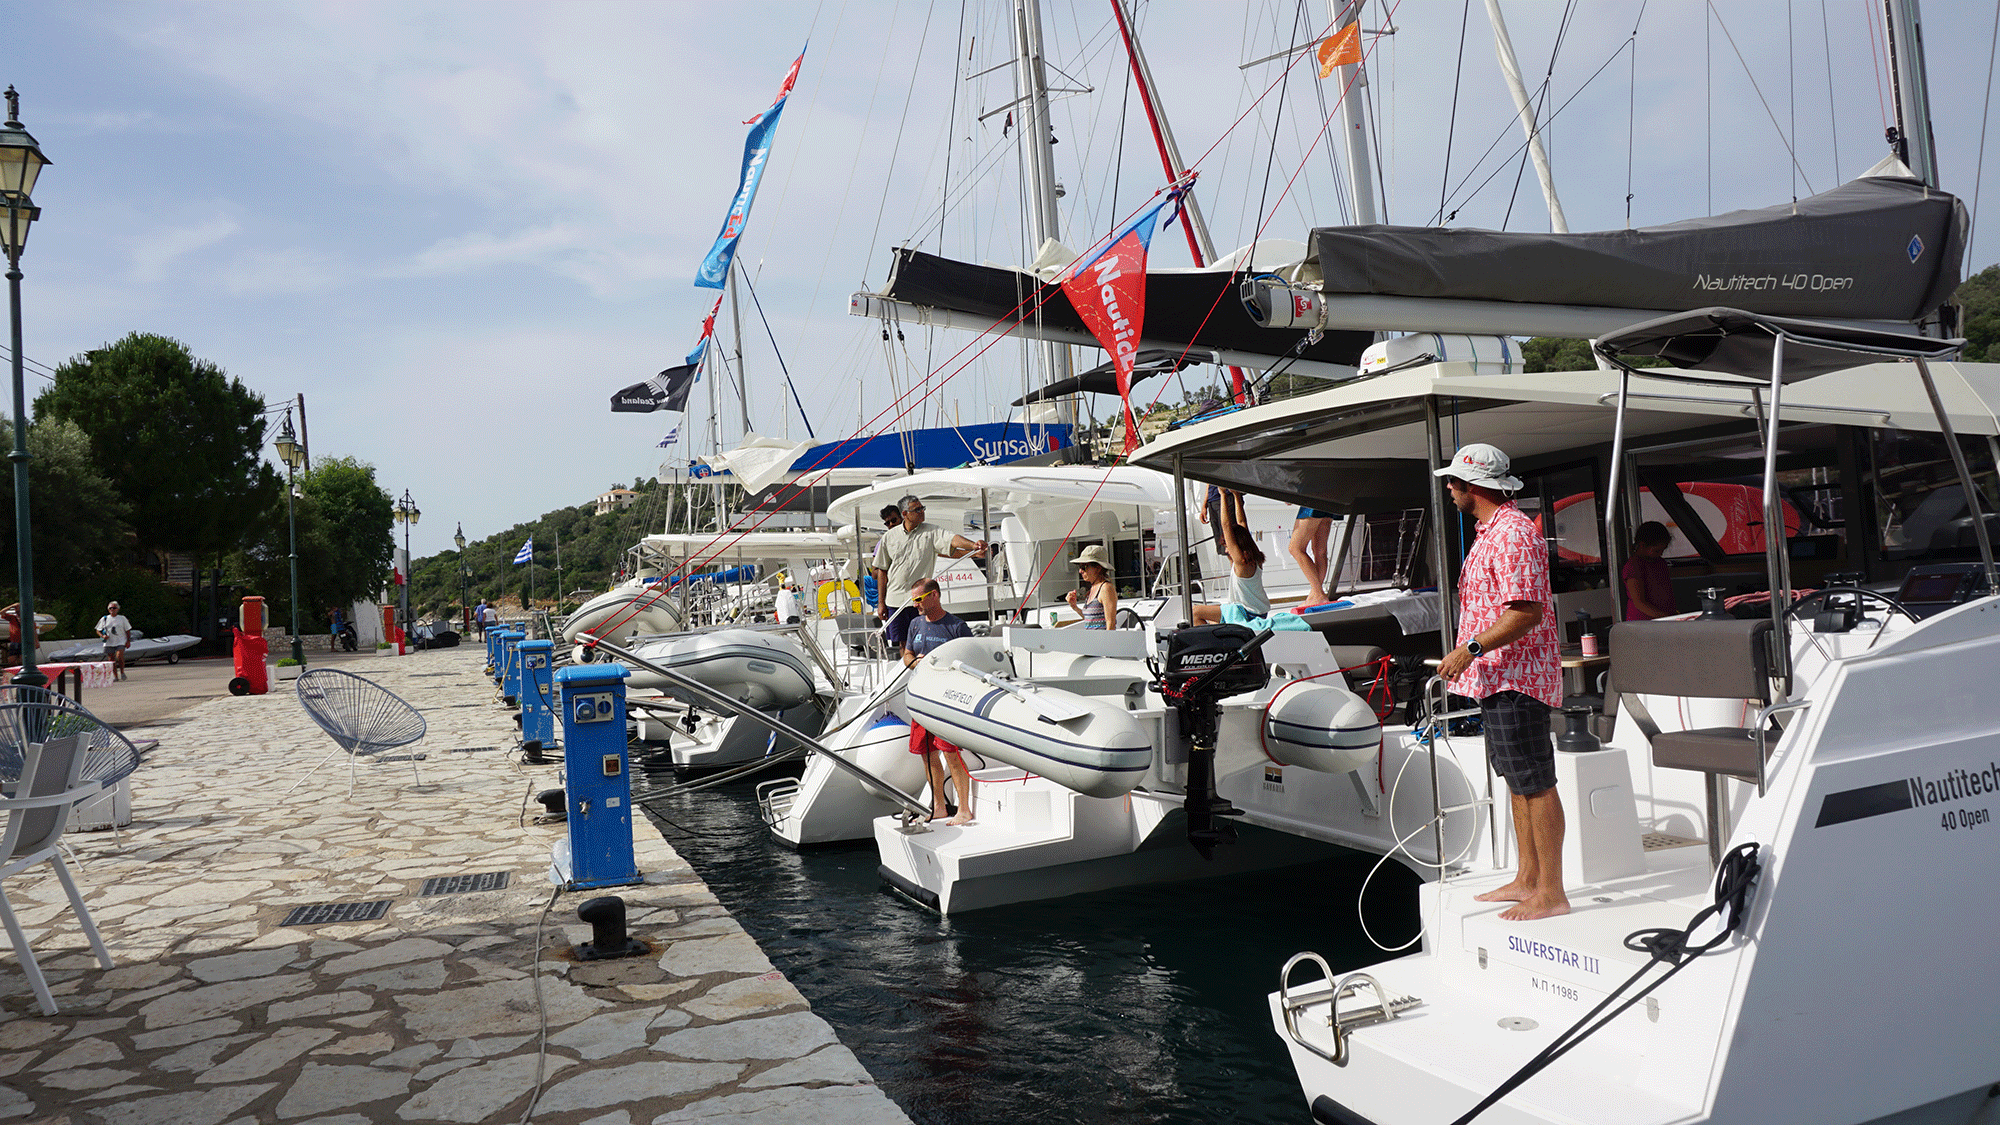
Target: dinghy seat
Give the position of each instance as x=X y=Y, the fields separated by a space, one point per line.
x=1699 y=660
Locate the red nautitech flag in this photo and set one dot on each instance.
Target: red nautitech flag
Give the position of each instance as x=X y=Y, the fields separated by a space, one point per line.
x=1108 y=290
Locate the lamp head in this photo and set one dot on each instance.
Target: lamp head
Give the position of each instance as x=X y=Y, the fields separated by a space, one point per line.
x=287 y=443
x=21 y=159
x=458 y=537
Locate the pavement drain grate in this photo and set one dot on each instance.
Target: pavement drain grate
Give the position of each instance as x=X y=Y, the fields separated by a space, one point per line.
x=320 y=913
x=464 y=884
x=473 y=749
x=400 y=757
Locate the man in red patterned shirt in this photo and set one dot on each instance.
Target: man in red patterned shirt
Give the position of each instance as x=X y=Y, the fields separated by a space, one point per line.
x=1506 y=658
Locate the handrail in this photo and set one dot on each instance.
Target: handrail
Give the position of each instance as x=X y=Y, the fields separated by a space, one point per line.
x=916 y=815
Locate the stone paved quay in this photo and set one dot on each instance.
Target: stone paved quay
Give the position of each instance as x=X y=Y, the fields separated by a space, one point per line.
x=218 y=1015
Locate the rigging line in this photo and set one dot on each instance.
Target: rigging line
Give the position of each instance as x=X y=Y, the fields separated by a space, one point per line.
x=1340 y=201
x=1768 y=112
x=1552 y=117
x=1271 y=156
x=1832 y=110
x=1875 y=56
x=1792 y=90
x=950 y=125
x=1708 y=89
x=759 y=306
x=1196 y=162
x=1451 y=129
x=1632 y=110
x=896 y=148
x=1979 y=169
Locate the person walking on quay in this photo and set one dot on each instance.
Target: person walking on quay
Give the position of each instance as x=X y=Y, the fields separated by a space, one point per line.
x=1507 y=659
x=117 y=634
x=931 y=628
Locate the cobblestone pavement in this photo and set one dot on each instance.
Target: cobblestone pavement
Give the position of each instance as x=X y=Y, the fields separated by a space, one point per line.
x=217 y=1014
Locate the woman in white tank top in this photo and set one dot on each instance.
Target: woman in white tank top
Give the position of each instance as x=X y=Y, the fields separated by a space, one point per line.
x=1246 y=572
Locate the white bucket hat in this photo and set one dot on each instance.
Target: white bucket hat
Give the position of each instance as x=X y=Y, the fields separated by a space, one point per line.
x=1482 y=464
x=1095 y=553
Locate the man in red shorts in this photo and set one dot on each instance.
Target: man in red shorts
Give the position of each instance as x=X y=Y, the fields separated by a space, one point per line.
x=932 y=628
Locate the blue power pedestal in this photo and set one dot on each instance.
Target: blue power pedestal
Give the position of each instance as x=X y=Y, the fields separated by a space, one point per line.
x=597 y=777
x=510 y=665
x=493 y=651
x=538 y=698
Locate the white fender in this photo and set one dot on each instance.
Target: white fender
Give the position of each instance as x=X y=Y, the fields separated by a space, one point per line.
x=1090 y=745
x=765 y=671
x=1323 y=727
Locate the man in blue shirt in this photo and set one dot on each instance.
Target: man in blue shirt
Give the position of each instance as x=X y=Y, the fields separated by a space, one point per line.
x=933 y=627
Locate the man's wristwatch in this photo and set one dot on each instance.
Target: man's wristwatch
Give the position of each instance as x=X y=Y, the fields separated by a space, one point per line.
x=1473 y=648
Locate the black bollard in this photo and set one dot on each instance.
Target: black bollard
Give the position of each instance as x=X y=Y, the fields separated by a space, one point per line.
x=608 y=939
x=556 y=801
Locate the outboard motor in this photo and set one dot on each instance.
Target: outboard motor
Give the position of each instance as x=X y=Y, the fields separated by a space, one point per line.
x=1205 y=665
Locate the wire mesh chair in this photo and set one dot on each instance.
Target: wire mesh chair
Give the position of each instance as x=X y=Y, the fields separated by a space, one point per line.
x=42 y=788
x=31 y=714
x=361 y=716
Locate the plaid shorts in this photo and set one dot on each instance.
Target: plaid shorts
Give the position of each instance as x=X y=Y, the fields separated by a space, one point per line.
x=1517 y=741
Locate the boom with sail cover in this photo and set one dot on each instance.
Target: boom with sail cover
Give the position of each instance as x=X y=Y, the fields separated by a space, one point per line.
x=1884 y=247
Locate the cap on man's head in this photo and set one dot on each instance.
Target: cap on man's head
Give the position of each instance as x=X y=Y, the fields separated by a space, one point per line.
x=1481 y=464
x=908 y=502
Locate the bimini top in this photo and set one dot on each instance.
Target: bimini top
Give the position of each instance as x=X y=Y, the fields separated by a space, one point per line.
x=1743 y=343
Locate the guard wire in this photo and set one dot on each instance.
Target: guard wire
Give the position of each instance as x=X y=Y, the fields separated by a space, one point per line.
x=1734 y=877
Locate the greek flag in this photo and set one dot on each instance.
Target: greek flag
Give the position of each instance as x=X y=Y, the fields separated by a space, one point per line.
x=673 y=436
x=526 y=553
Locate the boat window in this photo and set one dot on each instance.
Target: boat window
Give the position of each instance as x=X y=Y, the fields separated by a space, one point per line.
x=1386 y=549
x=1710 y=496
x=1920 y=505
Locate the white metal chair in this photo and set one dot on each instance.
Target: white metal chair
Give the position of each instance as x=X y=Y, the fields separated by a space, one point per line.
x=361 y=716
x=38 y=809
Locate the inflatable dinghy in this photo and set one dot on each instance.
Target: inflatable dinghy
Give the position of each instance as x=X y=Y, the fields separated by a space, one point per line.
x=1090 y=745
x=763 y=670
x=655 y=613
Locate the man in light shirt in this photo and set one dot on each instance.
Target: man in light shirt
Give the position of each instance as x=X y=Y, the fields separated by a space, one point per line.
x=912 y=551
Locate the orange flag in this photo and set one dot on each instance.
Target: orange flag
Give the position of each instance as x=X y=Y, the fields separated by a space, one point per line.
x=1342 y=48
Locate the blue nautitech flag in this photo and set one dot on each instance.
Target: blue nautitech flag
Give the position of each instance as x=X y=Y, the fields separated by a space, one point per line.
x=756 y=150
x=526 y=553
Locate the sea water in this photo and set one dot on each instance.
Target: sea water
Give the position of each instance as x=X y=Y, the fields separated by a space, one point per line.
x=1145 y=1004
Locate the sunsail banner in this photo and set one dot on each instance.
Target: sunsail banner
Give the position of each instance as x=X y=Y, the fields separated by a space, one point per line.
x=669 y=389
x=1108 y=290
x=756 y=150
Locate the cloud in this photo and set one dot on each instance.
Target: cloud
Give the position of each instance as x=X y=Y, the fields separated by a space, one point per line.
x=261 y=273
x=152 y=254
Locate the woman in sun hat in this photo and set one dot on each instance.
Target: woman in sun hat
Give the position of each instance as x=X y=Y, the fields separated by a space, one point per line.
x=1098 y=605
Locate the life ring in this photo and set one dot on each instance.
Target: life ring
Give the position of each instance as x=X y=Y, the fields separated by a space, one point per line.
x=827 y=591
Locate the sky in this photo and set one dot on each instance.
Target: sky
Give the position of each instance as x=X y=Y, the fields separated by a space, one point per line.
x=457 y=228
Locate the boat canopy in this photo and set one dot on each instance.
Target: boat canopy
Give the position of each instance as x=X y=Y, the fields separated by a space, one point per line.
x=1360 y=447
x=1883 y=247
x=1015 y=487
x=1743 y=343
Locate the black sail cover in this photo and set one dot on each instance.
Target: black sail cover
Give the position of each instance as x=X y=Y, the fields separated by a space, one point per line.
x=1876 y=248
x=1184 y=308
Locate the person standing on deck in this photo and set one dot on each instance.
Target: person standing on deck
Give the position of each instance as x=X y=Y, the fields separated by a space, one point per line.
x=1506 y=658
x=933 y=627
x=912 y=550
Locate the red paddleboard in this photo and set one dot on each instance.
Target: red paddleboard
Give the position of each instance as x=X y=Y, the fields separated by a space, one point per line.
x=1733 y=514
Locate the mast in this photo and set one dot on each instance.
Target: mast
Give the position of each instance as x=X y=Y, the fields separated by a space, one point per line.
x=736 y=315
x=1031 y=83
x=1503 y=49
x=1911 y=139
x=1353 y=106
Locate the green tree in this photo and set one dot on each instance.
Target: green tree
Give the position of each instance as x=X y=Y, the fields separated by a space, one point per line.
x=1980 y=299
x=1550 y=353
x=78 y=519
x=358 y=518
x=180 y=440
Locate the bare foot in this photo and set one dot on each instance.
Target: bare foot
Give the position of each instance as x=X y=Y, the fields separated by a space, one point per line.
x=1516 y=891
x=1536 y=906
x=966 y=818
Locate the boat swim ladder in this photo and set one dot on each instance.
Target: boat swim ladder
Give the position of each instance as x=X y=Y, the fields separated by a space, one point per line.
x=1294 y=1004
x=915 y=814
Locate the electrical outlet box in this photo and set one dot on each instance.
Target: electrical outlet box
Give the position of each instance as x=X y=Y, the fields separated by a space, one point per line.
x=594 y=707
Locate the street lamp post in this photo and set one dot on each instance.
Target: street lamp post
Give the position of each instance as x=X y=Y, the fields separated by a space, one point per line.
x=406 y=514
x=292 y=454
x=458 y=537
x=21 y=160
